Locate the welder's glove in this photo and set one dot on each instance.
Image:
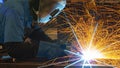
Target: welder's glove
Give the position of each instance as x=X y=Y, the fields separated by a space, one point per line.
x=50 y=50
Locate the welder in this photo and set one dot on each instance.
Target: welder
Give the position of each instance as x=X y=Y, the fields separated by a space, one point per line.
x=20 y=37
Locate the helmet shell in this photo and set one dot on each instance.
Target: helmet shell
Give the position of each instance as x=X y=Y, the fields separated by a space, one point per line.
x=54 y=12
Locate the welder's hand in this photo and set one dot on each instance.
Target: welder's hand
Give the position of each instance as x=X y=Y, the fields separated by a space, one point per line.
x=50 y=50
x=28 y=40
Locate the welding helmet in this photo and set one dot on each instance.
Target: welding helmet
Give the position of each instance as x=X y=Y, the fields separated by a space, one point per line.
x=47 y=9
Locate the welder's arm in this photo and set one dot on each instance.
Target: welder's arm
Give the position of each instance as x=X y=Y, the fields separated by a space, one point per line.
x=39 y=34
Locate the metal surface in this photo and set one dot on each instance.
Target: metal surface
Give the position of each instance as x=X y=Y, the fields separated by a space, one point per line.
x=36 y=65
x=89 y=66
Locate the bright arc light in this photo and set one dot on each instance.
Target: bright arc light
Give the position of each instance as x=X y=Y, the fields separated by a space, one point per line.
x=91 y=55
